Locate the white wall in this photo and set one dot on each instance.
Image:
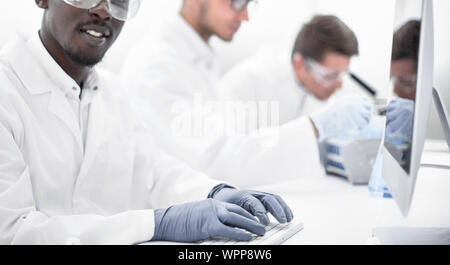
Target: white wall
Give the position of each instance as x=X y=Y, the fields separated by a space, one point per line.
x=275 y=23
x=18 y=16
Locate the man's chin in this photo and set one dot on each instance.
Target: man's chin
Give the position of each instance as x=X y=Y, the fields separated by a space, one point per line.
x=226 y=38
x=322 y=97
x=88 y=62
x=83 y=59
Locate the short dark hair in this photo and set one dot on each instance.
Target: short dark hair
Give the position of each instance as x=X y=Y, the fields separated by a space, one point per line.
x=325 y=33
x=406 y=41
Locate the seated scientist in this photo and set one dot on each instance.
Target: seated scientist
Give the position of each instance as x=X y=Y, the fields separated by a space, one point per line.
x=302 y=80
x=76 y=167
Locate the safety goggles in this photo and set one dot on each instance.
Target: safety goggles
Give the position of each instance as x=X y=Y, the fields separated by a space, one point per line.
x=406 y=83
x=239 y=5
x=120 y=9
x=324 y=75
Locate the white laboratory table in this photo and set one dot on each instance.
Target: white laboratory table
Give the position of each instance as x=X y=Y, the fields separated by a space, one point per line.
x=336 y=212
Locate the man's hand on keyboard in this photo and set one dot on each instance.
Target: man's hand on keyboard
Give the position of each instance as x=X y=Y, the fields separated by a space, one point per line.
x=257 y=203
x=205 y=219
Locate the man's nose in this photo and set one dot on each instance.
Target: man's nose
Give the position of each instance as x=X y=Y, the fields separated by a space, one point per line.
x=243 y=14
x=101 y=10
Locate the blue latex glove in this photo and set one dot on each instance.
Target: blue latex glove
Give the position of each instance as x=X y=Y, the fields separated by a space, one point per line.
x=257 y=203
x=205 y=219
x=346 y=114
x=399 y=119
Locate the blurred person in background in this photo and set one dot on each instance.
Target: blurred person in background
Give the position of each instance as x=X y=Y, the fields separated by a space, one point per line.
x=176 y=67
x=302 y=82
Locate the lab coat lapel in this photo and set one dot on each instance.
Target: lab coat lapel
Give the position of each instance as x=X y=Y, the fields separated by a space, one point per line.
x=95 y=134
x=58 y=106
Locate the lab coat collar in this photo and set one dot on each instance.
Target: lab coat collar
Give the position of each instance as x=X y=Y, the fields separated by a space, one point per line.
x=51 y=69
x=34 y=66
x=54 y=72
x=46 y=73
x=197 y=50
x=95 y=137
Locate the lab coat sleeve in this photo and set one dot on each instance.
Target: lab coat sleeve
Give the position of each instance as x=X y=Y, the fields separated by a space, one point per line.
x=283 y=153
x=21 y=221
x=268 y=156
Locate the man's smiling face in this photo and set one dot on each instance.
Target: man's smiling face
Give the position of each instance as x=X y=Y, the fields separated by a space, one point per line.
x=85 y=35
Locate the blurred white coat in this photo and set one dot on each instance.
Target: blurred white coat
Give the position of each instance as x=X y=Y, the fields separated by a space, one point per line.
x=175 y=66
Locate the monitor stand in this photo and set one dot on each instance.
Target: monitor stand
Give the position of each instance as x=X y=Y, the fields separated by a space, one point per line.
x=443 y=115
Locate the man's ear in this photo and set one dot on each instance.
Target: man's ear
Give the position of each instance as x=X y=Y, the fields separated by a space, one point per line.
x=42 y=3
x=298 y=61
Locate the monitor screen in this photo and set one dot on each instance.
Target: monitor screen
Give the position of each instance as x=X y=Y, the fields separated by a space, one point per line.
x=404 y=69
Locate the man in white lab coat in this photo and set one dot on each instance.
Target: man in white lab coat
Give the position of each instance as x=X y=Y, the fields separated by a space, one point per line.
x=175 y=69
x=301 y=81
x=76 y=166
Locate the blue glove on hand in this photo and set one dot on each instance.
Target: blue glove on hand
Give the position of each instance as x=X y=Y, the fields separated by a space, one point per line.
x=205 y=219
x=346 y=114
x=399 y=118
x=257 y=203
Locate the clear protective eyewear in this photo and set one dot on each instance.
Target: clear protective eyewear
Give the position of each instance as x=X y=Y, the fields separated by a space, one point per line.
x=406 y=83
x=120 y=9
x=239 y=5
x=324 y=75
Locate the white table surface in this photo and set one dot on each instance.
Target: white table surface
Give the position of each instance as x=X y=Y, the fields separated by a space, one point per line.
x=335 y=212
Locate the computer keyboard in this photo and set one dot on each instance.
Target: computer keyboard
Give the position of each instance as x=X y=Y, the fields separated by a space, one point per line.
x=275 y=234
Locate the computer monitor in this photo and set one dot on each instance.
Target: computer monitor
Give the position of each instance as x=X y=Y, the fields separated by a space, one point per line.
x=414 y=83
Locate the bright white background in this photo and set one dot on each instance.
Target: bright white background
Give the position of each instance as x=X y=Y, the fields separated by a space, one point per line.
x=275 y=23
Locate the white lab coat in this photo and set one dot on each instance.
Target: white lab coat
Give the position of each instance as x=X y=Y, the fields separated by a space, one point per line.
x=175 y=65
x=269 y=76
x=54 y=191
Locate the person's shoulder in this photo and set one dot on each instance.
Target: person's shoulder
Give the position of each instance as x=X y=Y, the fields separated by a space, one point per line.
x=113 y=88
x=5 y=59
x=7 y=76
x=3 y=79
x=10 y=96
x=115 y=96
x=14 y=55
x=110 y=82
